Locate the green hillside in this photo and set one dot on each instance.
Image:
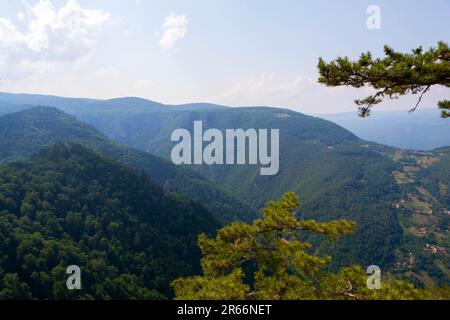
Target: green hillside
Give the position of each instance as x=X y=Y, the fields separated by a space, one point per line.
x=24 y=133
x=424 y=215
x=387 y=191
x=73 y=206
x=336 y=174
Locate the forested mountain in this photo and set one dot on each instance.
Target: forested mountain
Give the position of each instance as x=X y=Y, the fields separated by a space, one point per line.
x=19 y=101
x=399 y=194
x=336 y=174
x=73 y=206
x=24 y=133
x=422 y=130
x=389 y=192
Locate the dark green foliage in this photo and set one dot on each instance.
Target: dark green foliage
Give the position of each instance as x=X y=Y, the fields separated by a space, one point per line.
x=336 y=174
x=24 y=133
x=392 y=76
x=285 y=268
x=436 y=178
x=72 y=206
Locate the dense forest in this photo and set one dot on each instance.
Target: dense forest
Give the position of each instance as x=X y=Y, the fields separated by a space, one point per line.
x=335 y=174
x=267 y=260
x=24 y=133
x=399 y=194
x=318 y=171
x=73 y=206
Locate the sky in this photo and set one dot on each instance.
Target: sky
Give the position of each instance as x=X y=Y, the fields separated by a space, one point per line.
x=231 y=52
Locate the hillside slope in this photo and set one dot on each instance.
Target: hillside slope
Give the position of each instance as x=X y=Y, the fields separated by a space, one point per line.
x=388 y=191
x=336 y=175
x=72 y=206
x=24 y=133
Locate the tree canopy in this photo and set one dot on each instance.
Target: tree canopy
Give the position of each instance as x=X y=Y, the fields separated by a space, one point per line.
x=73 y=206
x=392 y=76
x=267 y=260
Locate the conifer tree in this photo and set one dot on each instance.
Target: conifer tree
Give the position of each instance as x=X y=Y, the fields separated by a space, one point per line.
x=392 y=76
x=267 y=261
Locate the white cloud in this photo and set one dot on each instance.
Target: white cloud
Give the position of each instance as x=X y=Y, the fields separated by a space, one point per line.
x=269 y=88
x=174 y=29
x=46 y=34
x=20 y=16
x=303 y=93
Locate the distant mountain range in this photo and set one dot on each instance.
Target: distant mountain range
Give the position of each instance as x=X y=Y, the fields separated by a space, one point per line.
x=422 y=130
x=398 y=198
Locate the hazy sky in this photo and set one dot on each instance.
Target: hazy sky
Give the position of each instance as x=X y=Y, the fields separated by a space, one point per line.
x=232 y=52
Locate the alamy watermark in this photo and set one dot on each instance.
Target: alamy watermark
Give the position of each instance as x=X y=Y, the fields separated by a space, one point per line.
x=239 y=147
x=374 y=19
x=74 y=280
x=374 y=280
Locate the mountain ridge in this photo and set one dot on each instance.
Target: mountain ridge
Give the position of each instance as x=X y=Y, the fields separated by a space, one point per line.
x=386 y=190
x=25 y=132
x=422 y=130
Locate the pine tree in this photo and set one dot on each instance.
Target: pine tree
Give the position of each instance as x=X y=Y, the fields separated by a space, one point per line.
x=267 y=261
x=392 y=76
